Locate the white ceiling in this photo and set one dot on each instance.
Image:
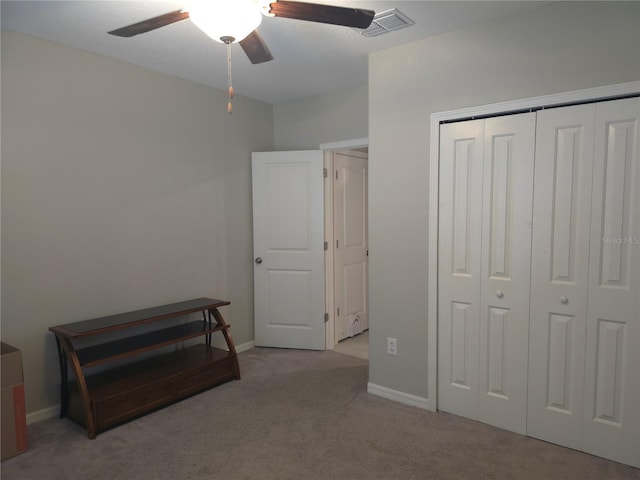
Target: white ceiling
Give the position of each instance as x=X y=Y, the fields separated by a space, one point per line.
x=309 y=58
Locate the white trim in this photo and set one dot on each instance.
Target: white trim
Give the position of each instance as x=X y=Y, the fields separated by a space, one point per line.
x=243 y=347
x=585 y=95
x=564 y=98
x=345 y=144
x=44 y=414
x=432 y=270
x=330 y=341
x=396 y=396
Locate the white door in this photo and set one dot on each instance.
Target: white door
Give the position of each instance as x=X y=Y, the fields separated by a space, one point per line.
x=612 y=357
x=580 y=385
x=505 y=273
x=288 y=239
x=350 y=232
x=486 y=187
x=459 y=242
x=559 y=273
x=584 y=387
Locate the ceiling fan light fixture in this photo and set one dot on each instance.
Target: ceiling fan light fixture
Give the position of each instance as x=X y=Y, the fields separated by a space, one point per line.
x=226 y=18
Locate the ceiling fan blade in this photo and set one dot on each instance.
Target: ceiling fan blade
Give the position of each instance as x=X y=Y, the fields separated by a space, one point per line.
x=255 y=48
x=314 y=12
x=150 y=24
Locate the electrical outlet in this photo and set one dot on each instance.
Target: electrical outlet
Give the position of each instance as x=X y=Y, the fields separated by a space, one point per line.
x=392 y=346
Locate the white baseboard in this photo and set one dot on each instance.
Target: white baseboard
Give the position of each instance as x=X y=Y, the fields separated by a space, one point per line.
x=44 y=414
x=396 y=396
x=245 y=346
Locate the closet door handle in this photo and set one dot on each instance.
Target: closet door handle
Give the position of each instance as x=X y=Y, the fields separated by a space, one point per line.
x=499 y=293
x=564 y=300
x=258 y=260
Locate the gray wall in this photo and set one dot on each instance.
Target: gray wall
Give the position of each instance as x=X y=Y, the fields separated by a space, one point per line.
x=305 y=124
x=121 y=189
x=557 y=48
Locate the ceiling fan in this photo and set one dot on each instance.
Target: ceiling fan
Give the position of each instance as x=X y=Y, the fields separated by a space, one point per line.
x=230 y=21
x=236 y=16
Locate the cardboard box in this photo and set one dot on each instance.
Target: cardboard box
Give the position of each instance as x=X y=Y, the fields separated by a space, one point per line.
x=14 y=418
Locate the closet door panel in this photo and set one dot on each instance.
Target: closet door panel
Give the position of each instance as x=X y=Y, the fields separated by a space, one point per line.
x=612 y=381
x=559 y=271
x=506 y=260
x=461 y=148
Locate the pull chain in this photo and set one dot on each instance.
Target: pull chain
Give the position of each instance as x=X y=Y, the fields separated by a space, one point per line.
x=228 y=41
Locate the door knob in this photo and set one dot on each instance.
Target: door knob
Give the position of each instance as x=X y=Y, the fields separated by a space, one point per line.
x=499 y=293
x=259 y=260
x=564 y=300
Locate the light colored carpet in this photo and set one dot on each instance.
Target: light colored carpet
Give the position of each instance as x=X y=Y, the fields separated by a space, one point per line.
x=298 y=415
x=357 y=346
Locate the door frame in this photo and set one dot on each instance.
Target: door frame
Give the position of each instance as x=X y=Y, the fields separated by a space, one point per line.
x=502 y=108
x=329 y=149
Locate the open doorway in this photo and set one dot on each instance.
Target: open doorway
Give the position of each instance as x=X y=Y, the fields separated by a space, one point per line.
x=357 y=346
x=347 y=250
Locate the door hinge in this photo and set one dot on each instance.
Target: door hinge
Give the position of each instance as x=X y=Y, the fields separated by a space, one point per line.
x=337 y=244
x=326 y=246
x=325 y=173
x=338 y=312
x=326 y=317
x=336 y=174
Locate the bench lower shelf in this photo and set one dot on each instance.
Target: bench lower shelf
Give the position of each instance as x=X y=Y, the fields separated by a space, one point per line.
x=127 y=392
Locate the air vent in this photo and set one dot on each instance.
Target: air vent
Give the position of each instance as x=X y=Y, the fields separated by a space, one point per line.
x=385 y=22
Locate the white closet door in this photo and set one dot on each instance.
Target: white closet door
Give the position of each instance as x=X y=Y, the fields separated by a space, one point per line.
x=459 y=237
x=539 y=331
x=612 y=378
x=559 y=272
x=486 y=188
x=505 y=273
